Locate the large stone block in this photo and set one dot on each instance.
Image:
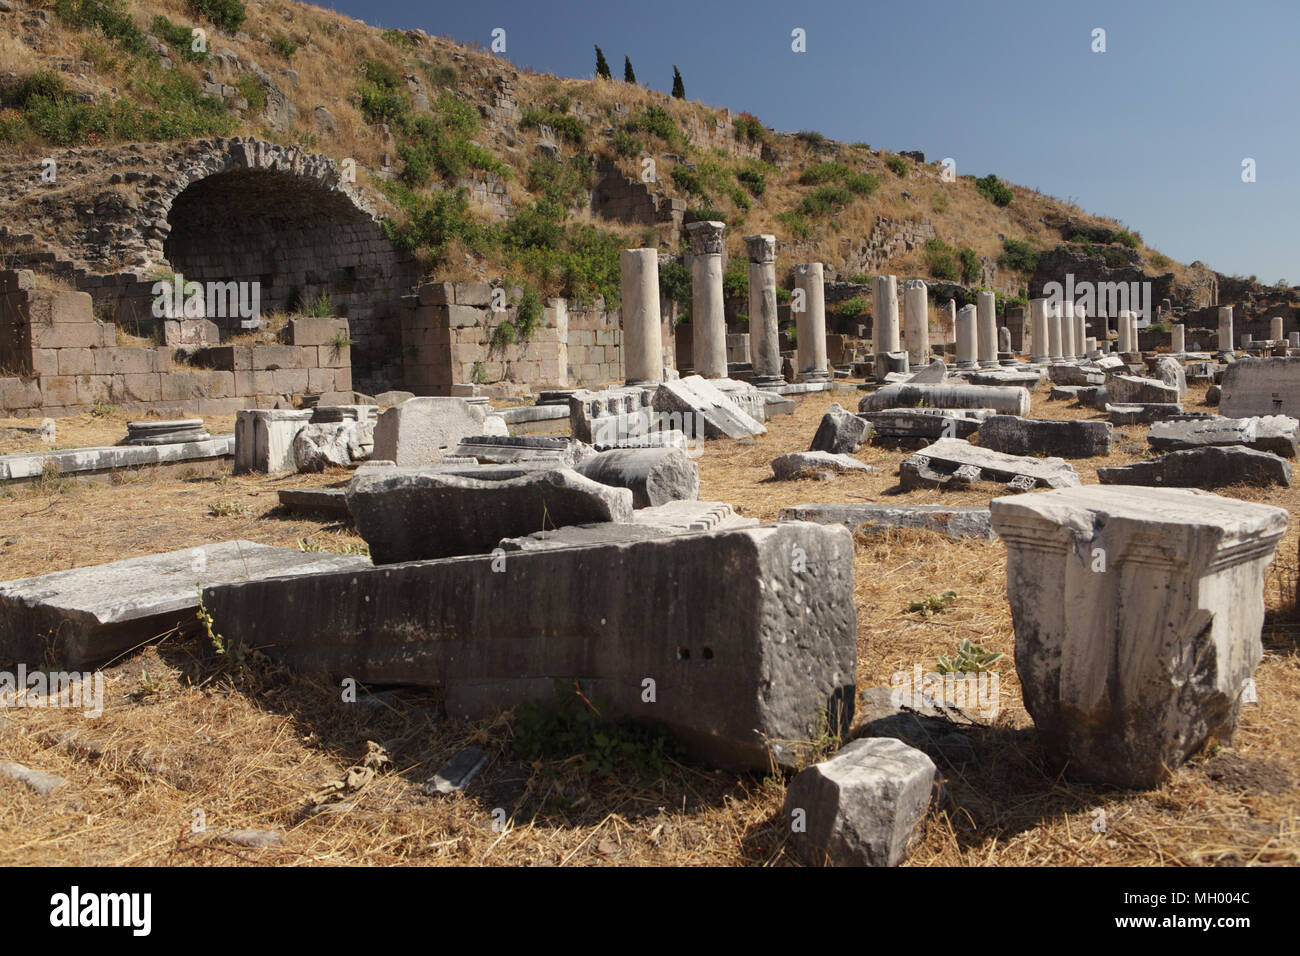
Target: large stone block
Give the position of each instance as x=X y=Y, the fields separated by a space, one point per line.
x=1132 y=390
x=1005 y=399
x=840 y=432
x=655 y=476
x=954 y=521
x=1274 y=433
x=1137 y=614
x=927 y=423
x=705 y=410
x=410 y=514
x=934 y=465
x=264 y=439
x=1032 y=436
x=421 y=431
x=1209 y=467
x=1266 y=386
x=86 y=616
x=748 y=650
x=861 y=807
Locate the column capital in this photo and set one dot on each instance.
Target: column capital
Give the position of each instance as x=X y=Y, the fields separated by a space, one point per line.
x=706 y=237
x=761 y=248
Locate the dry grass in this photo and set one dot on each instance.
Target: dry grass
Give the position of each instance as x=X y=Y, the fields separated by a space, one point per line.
x=259 y=747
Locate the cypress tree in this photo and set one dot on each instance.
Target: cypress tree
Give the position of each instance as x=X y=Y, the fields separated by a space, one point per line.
x=628 y=75
x=602 y=68
x=679 y=88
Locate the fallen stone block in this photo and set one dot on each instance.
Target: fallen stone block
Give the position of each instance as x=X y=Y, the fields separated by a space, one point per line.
x=1170 y=371
x=840 y=432
x=92 y=461
x=1063 y=393
x=1132 y=390
x=860 y=807
x=458 y=772
x=655 y=476
x=777 y=403
x=1027 y=378
x=1261 y=386
x=1130 y=670
x=534 y=413
x=750 y=652
x=332 y=501
x=1076 y=375
x=1271 y=433
x=412 y=514
x=657 y=521
x=898 y=423
x=507 y=449
x=933 y=374
x=949 y=458
x=342 y=444
x=955 y=522
x=165 y=432
x=1092 y=396
x=1032 y=436
x=1007 y=400
x=264 y=439
x=421 y=431
x=85 y=616
x=1141 y=414
x=1210 y=467
x=799 y=464
x=610 y=416
x=701 y=410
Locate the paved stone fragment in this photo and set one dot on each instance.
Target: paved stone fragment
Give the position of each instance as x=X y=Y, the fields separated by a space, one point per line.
x=704 y=410
x=1129 y=671
x=88 y=615
x=1005 y=399
x=860 y=807
x=736 y=679
x=1141 y=414
x=411 y=514
x=657 y=521
x=38 y=780
x=1272 y=433
x=332 y=501
x=1130 y=389
x=1203 y=468
x=1077 y=375
x=925 y=422
x=421 y=431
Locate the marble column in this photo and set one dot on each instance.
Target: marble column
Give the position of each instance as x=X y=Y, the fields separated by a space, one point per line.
x=810 y=324
x=967 y=349
x=916 y=322
x=1054 y=332
x=1081 y=330
x=1037 y=330
x=1069 y=351
x=884 y=328
x=952 y=319
x=708 y=312
x=1090 y=348
x=988 y=329
x=764 y=337
x=1275 y=328
x=643 y=354
x=1177 y=340
x=1294 y=340
x=1124 y=327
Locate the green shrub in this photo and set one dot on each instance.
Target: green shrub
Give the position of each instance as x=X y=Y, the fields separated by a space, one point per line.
x=941 y=260
x=971 y=267
x=657 y=121
x=675 y=283
x=852 y=308
x=688 y=181
x=1019 y=256
x=747 y=127
x=1114 y=258
x=561 y=183
x=820 y=173
x=627 y=144
x=794 y=221
x=287 y=47
x=811 y=137
x=861 y=183
x=379 y=104
x=566 y=127
x=994 y=190
x=252 y=91
x=753 y=179
x=109 y=16
x=180 y=39
x=706 y=214
x=43 y=84
x=824 y=200
x=229 y=15
x=434 y=220
x=897 y=165
x=735 y=280
x=398 y=39
x=1126 y=238
x=381 y=74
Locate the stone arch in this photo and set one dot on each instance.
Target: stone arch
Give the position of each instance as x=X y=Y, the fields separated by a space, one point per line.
x=245 y=210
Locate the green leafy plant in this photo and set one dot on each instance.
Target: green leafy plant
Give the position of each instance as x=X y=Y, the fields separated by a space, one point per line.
x=969 y=659
x=226 y=509
x=1019 y=256
x=994 y=190
x=229 y=15
x=897 y=165
x=932 y=604
x=179 y=38
x=286 y=46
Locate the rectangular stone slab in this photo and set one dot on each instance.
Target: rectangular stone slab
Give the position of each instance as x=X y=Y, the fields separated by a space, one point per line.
x=1032 y=436
x=86 y=616
x=1137 y=614
x=953 y=453
x=954 y=521
x=749 y=636
x=712 y=413
x=925 y=422
x=72 y=461
x=1262 y=386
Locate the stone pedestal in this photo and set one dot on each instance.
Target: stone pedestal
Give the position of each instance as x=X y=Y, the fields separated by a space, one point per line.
x=764 y=341
x=1038 y=330
x=987 y=324
x=1054 y=332
x=884 y=332
x=916 y=322
x=708 y=312
x=1177 y=340
x=967 y=348
x=643 y=354
x=1225 y=328
x=1275 y=328
x=810 y=324
x=1137 y=614
x=1294 y=340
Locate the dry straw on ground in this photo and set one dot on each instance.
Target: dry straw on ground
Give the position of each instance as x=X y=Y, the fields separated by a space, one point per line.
x=260 y=748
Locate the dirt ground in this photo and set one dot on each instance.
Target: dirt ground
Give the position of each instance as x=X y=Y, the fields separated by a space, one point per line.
x=187 y=738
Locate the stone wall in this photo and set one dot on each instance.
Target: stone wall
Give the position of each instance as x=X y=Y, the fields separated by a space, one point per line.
x=627 y=200
x=57 y=359
x=448 y=329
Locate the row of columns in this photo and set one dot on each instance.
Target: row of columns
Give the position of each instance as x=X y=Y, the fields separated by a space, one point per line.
x=642 y=338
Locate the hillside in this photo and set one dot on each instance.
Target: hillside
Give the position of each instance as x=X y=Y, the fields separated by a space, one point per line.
x=487 y=170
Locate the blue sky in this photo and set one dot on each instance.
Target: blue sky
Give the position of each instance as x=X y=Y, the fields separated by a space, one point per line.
x=1153 y=131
